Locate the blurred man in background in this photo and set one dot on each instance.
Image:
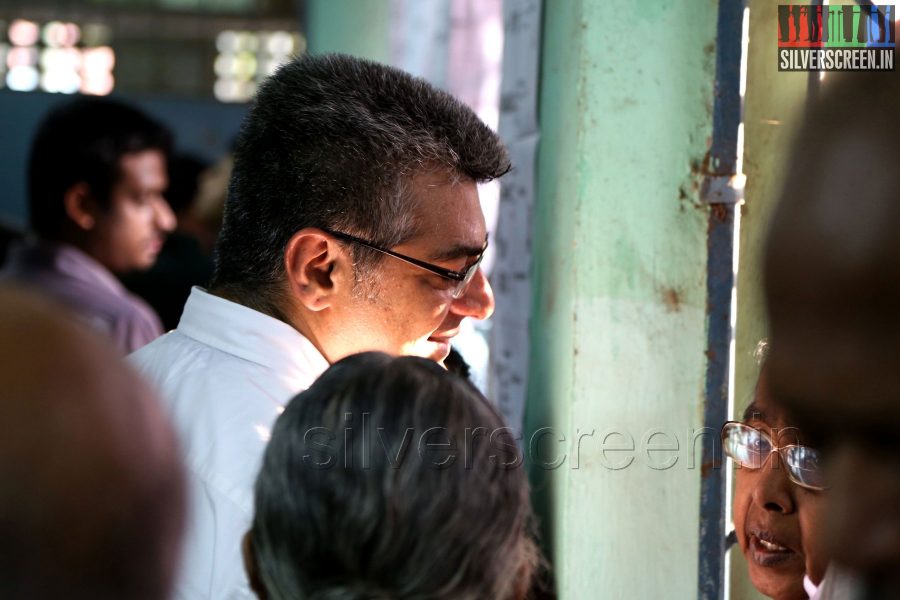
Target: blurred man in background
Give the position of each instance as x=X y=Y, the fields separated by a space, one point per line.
x=833 y=292
x=91 y=486
x=96 y=177
x=186 y=258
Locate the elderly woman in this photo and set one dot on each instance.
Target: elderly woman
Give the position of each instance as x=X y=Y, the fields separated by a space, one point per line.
x=779 y=499
x=390 y=478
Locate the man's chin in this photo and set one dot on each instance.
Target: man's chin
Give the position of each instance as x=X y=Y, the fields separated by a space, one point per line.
x=441 y=350
x=436 y=350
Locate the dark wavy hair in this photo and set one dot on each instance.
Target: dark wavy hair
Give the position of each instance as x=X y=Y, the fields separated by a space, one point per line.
x=332 y=142
x=83 y=141
x=352 y=503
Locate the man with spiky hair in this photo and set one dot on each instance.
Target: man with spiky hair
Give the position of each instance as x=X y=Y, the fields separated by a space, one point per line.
x=352 y=223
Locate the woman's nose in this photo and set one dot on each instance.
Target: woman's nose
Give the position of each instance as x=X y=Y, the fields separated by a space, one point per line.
x=774 y=490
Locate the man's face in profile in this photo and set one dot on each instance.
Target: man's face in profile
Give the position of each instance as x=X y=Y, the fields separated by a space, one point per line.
x=130 y=233
x=402 y=309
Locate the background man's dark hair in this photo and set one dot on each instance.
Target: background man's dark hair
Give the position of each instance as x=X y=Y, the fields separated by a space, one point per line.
x=332 y=142
x=83 y=141
x=393 y=523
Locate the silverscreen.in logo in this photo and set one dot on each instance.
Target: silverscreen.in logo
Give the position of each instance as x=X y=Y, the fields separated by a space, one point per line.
x=836 y=38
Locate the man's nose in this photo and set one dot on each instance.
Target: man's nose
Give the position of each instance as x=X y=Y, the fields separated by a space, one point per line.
x=164 y=217
x=478 y=299
x=774 y=490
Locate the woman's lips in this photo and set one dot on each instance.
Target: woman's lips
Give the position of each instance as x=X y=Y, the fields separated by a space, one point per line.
x=768 y=551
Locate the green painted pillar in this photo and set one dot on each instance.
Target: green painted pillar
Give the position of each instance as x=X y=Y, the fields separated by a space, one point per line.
x=619 y=319
x=772 y=108
x=357 y=27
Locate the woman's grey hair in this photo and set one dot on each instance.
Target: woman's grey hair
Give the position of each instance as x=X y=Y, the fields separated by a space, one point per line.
x=352 y=503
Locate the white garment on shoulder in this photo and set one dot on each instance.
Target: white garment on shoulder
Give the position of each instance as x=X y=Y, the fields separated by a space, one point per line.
x=224 y=375
x=837 y=584
x=811 y=589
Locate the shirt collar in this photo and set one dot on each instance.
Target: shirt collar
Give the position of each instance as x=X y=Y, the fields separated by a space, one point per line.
x=249 y=334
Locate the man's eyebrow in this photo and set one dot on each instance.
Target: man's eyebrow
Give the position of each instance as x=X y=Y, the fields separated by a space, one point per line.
x=753 y=413
x=458 y=251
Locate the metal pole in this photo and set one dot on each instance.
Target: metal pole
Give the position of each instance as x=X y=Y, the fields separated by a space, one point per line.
x=722 y=198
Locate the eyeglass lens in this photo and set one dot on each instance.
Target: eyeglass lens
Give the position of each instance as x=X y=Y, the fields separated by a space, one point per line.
x=470 y=274
x=751 y=448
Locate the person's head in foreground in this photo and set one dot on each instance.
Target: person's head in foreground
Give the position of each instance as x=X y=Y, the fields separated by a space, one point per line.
x=96 y=178
x=91 y=488
x=353 y=212
x=832 y=275
x=360 y=497
x=779 y=501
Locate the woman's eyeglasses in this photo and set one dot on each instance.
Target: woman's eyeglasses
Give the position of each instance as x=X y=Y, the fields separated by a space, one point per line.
x=751 y=448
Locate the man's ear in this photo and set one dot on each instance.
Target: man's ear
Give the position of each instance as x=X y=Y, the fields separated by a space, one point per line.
x=317 y=267
x=80 y=206
x=251 y=567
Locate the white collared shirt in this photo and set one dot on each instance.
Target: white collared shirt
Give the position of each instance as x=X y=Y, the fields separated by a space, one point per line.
x=224 y=375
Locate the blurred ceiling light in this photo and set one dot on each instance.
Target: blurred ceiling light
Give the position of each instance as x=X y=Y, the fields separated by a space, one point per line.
x=226 y=90
x=226 y=65
x=21 y=57
x=227 y=41
x=98 y=60
x=55 y=59
x=268 y=67
x=22 y=78
x=73 y=34
x=97 y=85
x=247 y=41
x=61 y=35
x=232 y=90
x=280 y=43
x=61 y=81
x=247 y=57
x=23 y=33
x=245 y=65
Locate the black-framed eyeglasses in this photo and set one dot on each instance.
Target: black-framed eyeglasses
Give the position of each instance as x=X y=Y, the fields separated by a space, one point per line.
x=751 y=448
x=462 y=278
